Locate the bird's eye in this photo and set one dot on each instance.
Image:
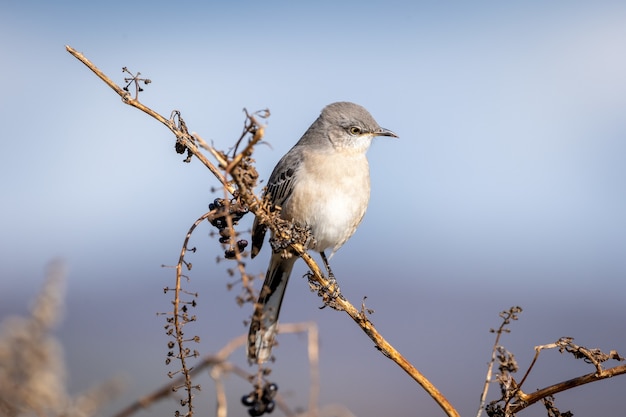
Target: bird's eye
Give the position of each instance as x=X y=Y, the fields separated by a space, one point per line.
x=355 y=130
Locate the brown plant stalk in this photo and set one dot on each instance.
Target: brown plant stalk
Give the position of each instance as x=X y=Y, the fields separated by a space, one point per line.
x=528 y=399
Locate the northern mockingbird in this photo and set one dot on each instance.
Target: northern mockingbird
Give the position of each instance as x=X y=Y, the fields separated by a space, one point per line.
x=322 y=183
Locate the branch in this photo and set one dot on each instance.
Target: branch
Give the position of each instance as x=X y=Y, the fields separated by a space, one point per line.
x=182 y=136
x=381 y=343
x=514 y=399
x=528 y=399
x=244 y=191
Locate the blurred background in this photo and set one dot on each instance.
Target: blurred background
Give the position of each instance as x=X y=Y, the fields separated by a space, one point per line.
x=505 y=188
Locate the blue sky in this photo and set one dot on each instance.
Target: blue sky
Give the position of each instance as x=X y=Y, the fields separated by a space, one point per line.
x=506 y=186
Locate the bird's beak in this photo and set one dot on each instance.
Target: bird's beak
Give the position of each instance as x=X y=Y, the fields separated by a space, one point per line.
x=385 y=132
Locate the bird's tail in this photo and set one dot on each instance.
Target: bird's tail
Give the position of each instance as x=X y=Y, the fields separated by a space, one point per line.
x=264 y=322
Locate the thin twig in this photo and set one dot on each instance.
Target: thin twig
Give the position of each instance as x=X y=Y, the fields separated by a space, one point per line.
x=483 y=395
x=507 y=316
x=185 y=138
x=530 y=367
x=220 y=393
x=179 y=321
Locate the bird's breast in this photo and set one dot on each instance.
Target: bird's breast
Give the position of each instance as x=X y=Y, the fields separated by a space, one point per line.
x=330 y=196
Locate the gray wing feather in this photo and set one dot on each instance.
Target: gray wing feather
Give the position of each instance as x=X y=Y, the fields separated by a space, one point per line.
x=279 y=188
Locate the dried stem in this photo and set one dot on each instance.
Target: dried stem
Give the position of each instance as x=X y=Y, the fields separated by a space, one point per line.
x=593 y=356
x=529 y=399
x=313 y=353
x=381 y=343
x=507 y=316
x=220 y=393
x=179 y=320
x=181 y=135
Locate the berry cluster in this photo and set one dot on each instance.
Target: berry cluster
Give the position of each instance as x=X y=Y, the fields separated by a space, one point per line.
x=236 y=212
x=261 y=403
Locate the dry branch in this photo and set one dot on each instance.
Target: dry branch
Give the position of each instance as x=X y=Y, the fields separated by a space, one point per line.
x=514 y=399
x=529 y=399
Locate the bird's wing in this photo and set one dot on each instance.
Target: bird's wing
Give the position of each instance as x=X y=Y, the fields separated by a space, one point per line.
x=279 y=189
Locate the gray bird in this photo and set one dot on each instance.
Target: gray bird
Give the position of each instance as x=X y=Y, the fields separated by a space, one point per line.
x=322 y=183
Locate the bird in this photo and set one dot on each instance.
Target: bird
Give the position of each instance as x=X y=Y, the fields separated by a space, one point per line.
x=323 y=184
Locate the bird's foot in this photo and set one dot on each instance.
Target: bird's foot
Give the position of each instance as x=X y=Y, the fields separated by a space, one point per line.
x=330 y=292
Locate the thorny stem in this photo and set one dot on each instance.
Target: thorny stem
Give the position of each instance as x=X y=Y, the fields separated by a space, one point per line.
x=255 y=205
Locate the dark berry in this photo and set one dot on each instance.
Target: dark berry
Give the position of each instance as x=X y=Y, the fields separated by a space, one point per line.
x=269 y=391
x=219 y=222
x=257 y=409
x=180 y=148
x=242 y=244
x=248 y=400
